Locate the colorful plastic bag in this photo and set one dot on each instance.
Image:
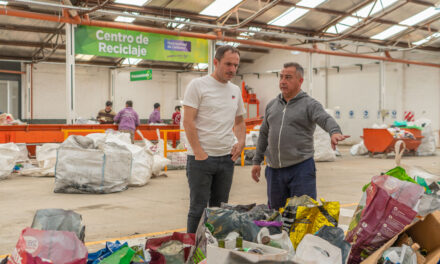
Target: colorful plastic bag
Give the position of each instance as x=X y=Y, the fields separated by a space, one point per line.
x=303 y=215
x=122 y=256
x=389 y=204
x=154 y=244
x=48 y=246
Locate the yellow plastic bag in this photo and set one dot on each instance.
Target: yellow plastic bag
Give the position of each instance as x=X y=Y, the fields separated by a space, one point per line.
x=303 y=215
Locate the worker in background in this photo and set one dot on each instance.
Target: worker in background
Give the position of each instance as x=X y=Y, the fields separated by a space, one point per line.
x=155 y=115
x=106 y=115
x=128 y=119
x=176 y=115
x=212 y=107
x=286 y=138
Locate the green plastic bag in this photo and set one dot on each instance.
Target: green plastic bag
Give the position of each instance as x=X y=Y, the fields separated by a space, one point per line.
x=399 y=173
x=122 y=256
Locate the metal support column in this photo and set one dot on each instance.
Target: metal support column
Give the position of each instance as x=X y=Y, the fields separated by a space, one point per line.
x=382 y=86
x=211 y=54
x=310 y=79
x=70 y=73
x=28 y=93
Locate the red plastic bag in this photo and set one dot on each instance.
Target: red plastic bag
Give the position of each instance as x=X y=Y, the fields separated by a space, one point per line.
x=46 y=246
x=154 y=244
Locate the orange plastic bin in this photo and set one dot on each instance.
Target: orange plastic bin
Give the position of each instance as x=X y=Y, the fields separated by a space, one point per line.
x=381 y=140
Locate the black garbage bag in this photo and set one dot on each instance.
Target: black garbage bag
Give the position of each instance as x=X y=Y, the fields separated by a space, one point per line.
x=335 y=236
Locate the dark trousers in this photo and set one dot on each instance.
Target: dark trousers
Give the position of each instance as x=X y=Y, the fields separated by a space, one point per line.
x=295 y=180
x=209 y=182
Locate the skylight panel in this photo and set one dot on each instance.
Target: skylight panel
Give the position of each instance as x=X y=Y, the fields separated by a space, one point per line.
x=219 y=7
x=311 y=3
x=234 y=44
x=133 y=2
x=124 y=19
x=177 y=24
x=423 y=41
x=389 y=32
x=425 y=14
x=131 y=61
x=288 y=17
x=378 y=6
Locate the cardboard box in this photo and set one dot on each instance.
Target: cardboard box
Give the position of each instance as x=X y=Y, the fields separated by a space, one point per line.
x=216 y=255
x=426 y=233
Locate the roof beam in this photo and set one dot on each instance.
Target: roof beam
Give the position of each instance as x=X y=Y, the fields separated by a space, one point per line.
x=30 y=44
x=410 y=30
x=33 y=29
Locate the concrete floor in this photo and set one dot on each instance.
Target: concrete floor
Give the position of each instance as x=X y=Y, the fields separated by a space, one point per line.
x=162 y=204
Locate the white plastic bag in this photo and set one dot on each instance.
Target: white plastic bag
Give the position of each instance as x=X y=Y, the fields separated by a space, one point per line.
x=428 y=146
x=358 y=149
x=142 y=165
x=9 y=154
x=82 y=168
x=159 y=164
x=315 y=250
x=47 y=155
x=323 y=146
x=24 y=154
x=281 y=239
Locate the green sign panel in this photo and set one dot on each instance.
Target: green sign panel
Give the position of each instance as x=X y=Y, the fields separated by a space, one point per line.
x=120 y=43
x=141 y=75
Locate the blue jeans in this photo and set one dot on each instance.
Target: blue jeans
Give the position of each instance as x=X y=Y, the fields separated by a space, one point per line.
x=209 y=183
x=296 y=180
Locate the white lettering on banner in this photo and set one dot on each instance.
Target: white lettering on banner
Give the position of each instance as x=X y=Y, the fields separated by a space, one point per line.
x=137 y=51
x=130 y=39
x=97 y=34
x=101 y=46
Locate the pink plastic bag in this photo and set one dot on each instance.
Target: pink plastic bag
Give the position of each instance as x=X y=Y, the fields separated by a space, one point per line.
x=389 y=208
x=46 y=246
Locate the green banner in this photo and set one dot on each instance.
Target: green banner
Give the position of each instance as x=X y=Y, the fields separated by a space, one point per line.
x=141 y=75
x=120 y=43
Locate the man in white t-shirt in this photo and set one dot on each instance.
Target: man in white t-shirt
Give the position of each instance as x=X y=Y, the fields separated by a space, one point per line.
x=213 y=106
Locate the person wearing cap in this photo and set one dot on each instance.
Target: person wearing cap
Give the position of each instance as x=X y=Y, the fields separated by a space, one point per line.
x=106 y=115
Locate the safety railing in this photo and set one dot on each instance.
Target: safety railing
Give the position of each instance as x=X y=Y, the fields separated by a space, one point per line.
x=67 y=131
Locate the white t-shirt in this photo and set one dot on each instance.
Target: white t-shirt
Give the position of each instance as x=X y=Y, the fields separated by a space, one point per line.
x=217 y=106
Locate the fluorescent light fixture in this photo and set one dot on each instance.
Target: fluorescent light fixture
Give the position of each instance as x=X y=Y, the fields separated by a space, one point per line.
x=234 y=44
x=295 y=52
x=311 y=3
x=124 y=19
x=84 y=57
x=417 y=18
x=389 y=32
x=423 y=41
x=219 y=7
x=201 y=66
x=288 y=17
x=133 y=2
x=3 y=2
x=177 y=24
x=378 y=6
x=131 y=61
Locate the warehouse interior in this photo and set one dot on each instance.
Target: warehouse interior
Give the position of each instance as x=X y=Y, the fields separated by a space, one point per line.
x=374 y=65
